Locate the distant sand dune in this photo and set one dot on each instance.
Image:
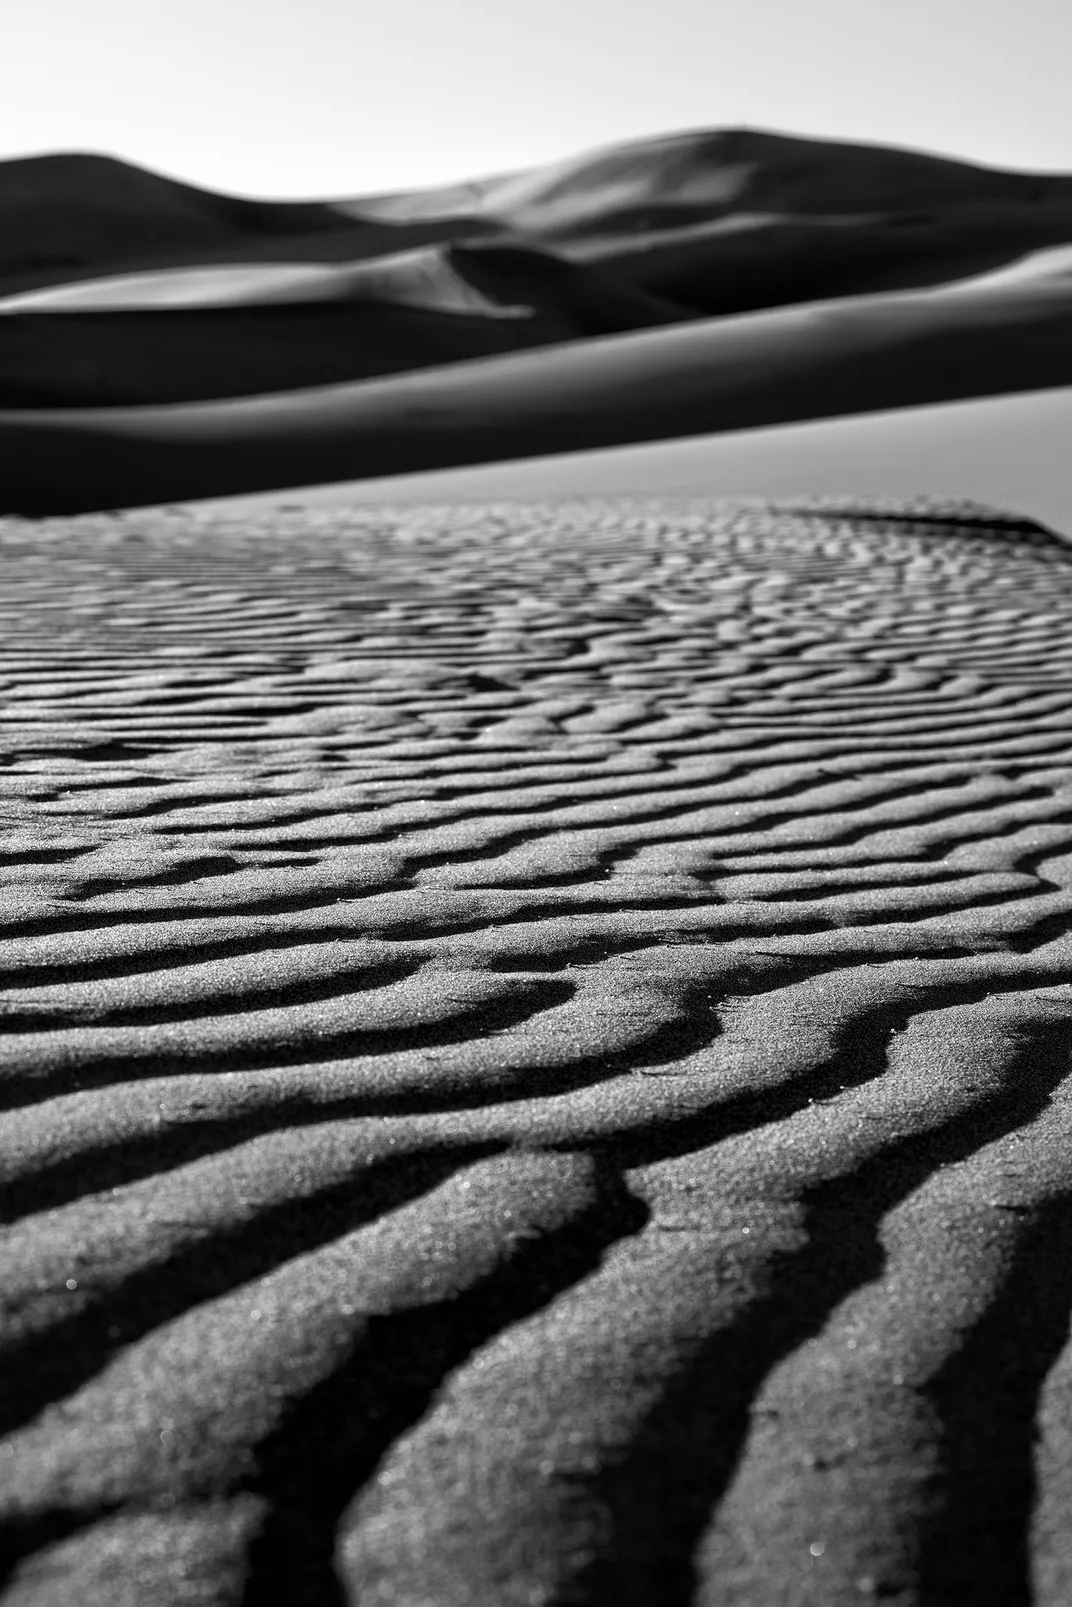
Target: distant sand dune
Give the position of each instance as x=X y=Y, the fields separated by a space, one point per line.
x=194 y=334
x=809 y=278
x=161 y=342
x=718 y=173
x=856 y=355
x=535 y=1036
x=123 y=359
x=803 y=214
x=423 y=277
x=87 y=212
x=496 y=281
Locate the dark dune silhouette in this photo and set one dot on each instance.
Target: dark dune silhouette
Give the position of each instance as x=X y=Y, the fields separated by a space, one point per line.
x=159 y=341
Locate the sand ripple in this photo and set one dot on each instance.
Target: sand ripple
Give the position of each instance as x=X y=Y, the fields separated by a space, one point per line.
x=535 y=1052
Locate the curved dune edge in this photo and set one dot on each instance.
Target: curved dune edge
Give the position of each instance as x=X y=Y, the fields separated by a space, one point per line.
x=535 y=1055
x=857 y=355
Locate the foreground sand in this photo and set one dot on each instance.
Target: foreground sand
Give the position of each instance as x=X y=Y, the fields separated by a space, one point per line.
x=537 y=1057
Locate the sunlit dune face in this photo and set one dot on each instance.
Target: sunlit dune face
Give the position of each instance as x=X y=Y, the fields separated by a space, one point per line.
x=420 y=278
x=177 y=287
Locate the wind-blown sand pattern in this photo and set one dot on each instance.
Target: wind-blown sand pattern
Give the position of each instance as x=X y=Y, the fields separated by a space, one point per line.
x=536 y=1057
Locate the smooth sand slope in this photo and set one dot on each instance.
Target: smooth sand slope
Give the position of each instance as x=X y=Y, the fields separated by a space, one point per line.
x=1012 y=451
x=994 y=334
x=536 y=1057
x=702 y=281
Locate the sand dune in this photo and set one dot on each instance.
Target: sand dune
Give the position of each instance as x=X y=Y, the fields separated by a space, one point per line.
x=809 y=279
x=1008 y=451
x=856 y=355
x=72 y=215
x=740 y=264
x=730 y=221
x=535 y=1056
x=111 y=360
x=717 y=221
x=500 y=280
x=701 y=175
x=424 y=277
x=192 y=334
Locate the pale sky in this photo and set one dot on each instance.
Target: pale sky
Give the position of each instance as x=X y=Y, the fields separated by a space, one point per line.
x=343 y=97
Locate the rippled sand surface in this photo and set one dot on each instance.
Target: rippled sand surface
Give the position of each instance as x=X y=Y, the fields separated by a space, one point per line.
x=535 y=1060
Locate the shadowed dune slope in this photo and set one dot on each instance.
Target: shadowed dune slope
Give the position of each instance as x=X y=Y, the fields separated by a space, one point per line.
x=861 y=354
x=535 y=1056
x=137 y=358
x=1006 y=450
x=191 y=334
